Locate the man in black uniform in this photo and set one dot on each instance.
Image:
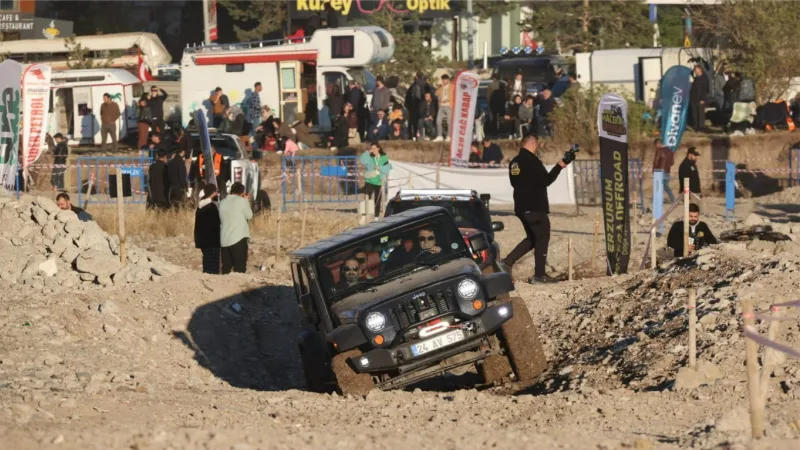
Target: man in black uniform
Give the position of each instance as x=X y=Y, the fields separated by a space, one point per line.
x=699 y=234
x=530 y=180
x=688 y=169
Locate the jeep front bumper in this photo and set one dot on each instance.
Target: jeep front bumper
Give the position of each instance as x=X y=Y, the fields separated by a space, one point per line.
x=407 y=356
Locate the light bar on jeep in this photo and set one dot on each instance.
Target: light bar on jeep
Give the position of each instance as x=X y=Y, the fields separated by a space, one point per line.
x=436 y=194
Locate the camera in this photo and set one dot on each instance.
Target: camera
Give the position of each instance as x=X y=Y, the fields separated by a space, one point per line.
x=569 y=156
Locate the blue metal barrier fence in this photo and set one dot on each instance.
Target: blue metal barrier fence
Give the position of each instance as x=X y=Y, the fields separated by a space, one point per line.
x=587 y=181
x=98 y=168
x=320 y=179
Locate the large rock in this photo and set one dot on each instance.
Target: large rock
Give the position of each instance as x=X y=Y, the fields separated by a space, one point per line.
x=66 y=216
x=74 y=228
x=40 y=216
x=97 y=263
x=753 y=219
x=32 y=267
x=48 y=268
x=59 y=246
x=48 y=205
x=70 y=254
x=706 y=373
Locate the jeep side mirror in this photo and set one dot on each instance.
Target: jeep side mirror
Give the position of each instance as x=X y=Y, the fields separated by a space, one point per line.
x=498 y=226
x=478 y=242
x=485 y=199
x=307 y=303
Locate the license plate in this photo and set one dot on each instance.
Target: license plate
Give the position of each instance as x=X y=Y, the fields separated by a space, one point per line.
x=438 y=342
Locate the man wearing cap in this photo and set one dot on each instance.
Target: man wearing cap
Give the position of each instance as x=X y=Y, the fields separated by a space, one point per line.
x=688 y=169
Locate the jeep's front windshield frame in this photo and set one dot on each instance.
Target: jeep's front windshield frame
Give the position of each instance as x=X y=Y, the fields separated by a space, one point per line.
x=389 y=254
x=466 y=214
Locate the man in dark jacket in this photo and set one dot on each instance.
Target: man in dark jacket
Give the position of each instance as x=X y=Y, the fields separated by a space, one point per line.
x=492 y=154
x=415 y=97
x=178 y=181
x=157 y=180
x=700 y=234
x=156 y=105
x=207 y=229
x=688 y=169
x=60 y=154
x=663 y=160
x=530 y=180
x=697 y=99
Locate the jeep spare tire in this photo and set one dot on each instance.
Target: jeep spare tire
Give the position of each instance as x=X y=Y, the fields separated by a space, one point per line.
x=520 y=339
x=347 y=380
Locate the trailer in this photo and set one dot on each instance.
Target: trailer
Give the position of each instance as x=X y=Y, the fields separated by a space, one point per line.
x=286 y=70
x=76 y=96
x=635 y=70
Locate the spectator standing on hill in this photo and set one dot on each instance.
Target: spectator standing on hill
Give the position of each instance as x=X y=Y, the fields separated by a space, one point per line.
x=234 y=214
x=380 y=97
x=158 y=182
x=60 y=155
x=414 y=99
x=144 y=118
x=688 y=169
x=178 y=181
x=109 y=114
x=254 y=108
x=156 y=105
x=664 y=159
x=219 y=104
x=444 y=96
x=207 y=229
x=697 y=99
x=376 y=167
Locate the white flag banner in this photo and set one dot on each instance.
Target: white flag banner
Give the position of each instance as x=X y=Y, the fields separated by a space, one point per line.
x=35 y=101
x=10 y=83
x=486 y=181
x=462 y=118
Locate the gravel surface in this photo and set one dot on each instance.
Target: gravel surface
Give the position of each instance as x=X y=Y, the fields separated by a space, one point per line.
x=185 y=360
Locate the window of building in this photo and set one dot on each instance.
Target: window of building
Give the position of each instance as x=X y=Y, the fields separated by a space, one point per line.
x=8 y=5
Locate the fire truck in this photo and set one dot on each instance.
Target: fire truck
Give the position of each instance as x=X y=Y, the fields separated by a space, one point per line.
x=286 y=68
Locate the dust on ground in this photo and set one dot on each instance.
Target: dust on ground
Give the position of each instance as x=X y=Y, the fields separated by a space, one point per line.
x=184 y=360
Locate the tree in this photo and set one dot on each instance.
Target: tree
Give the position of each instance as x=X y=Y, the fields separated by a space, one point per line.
x=256 y=18
x=78 y=57
x=486 y=9
x=591 y=25
x=757 y=39
x=411 y=52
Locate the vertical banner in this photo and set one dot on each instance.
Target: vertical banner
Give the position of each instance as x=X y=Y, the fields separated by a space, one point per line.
x=210 y=9
x=462 y=118
x=675 y=87
x=730 y=189
x=612 y=125
x=35 y=102
x=10 y=99
x=205 y=146
x=658 y=196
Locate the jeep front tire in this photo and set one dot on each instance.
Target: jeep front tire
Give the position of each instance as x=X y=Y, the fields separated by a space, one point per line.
x=520 y=340
x=347 y=380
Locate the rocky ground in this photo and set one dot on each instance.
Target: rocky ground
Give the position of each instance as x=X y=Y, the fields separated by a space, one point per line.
x=181 y=360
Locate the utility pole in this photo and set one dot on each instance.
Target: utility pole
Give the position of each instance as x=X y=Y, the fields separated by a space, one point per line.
x=206 y=31
x=470 y=39
x=585 y=25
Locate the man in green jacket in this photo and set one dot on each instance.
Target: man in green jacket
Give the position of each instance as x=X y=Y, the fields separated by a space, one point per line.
x=234 y=213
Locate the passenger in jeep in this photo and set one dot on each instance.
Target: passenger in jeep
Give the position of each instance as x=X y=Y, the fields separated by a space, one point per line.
x=362 y=257
x=427 y=241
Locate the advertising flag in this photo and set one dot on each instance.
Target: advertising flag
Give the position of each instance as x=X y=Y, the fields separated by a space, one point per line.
x=10 y=105
x=462 y=118
x=35 y=102
x=612 y=124
x=205 y=145
x=674 y=105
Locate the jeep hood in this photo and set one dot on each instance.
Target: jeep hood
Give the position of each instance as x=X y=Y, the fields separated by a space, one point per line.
x=349 y=309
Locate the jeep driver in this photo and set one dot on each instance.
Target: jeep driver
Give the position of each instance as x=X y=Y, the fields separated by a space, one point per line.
x=427 y=308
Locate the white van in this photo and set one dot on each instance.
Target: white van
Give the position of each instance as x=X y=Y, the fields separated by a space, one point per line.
x=331 y=57
x=76 y=96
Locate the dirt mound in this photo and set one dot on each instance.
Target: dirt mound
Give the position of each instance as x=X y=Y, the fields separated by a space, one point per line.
x=47 y=248
x=633 y=334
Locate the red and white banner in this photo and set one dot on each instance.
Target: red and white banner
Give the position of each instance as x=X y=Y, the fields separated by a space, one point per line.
x=35 y=101
x=462 y=119
x=142 y=72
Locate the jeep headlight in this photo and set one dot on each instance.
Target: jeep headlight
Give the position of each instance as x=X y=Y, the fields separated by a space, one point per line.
x=467 y=289
x=376 y=322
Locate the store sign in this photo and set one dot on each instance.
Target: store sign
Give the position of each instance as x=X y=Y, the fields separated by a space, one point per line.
x=30 y=27
x=354 y=8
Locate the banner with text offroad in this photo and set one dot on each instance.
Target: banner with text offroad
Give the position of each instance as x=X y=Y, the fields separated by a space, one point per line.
x=674 y=105
x=10 y=84
x=35 y=101
x=612 y=124
x=462 y=117
x=353 y=9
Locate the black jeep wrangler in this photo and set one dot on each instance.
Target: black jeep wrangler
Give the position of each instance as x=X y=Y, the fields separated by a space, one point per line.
x=402 y=299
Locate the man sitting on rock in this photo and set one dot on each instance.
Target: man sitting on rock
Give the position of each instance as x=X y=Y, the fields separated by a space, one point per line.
x=699 y=234
x=63 y=202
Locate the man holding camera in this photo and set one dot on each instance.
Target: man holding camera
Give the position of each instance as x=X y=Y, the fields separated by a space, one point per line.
x=530 y=180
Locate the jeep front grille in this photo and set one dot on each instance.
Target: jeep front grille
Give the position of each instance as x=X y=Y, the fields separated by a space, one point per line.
x=436 y=303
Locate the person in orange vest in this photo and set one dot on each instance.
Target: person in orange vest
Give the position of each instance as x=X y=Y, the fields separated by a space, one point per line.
x=217 y=158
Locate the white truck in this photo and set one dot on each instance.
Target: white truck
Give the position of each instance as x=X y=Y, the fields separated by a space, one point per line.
x=286 y=69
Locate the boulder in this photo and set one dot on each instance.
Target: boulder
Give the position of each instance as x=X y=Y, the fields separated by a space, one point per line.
x=74 y=228
x=66 y=216
x=71 y=253
x=48 y=268
x=59 y=246
x=97 y=263
x=40 y=216
x=32 y=267
x=46 y=204
x=753 y=219
x=706 y=373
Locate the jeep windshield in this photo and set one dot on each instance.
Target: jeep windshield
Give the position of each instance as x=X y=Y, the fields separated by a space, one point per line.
x=534 y=70
x=387 y=255
x=466 y=214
